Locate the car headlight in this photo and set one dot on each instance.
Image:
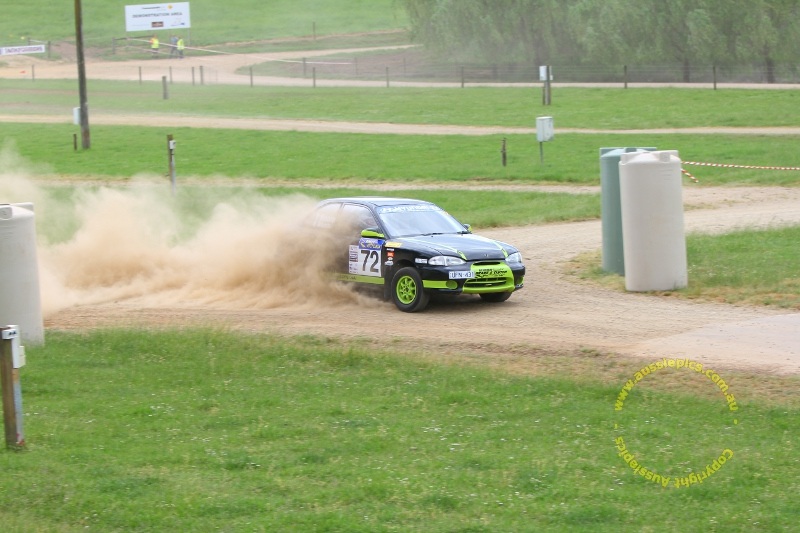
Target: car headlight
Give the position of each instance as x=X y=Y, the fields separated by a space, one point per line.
x=445 y=260
x=516 y=257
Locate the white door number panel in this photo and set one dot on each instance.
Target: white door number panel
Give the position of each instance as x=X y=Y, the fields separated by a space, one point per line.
x=365 y=257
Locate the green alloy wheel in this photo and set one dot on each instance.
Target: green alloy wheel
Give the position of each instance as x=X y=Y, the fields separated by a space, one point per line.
x=407 y=291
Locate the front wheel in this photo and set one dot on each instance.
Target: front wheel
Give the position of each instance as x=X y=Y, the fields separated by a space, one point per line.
x=407 y=292
x=495 y=297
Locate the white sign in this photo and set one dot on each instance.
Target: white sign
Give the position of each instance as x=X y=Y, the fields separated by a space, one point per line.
x=31 y=49
x=544 y=129
x=149 y=17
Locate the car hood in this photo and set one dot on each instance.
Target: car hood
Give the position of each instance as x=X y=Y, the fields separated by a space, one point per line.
x=468 y=246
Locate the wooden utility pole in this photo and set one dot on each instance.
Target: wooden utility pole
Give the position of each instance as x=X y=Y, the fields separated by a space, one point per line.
x=86 y=142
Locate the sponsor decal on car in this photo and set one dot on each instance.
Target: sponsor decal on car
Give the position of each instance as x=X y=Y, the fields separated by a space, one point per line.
x=491 y=272
x=370 y=244
x=365 y=258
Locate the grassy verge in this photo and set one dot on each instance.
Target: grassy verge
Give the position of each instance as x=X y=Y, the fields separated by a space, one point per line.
x=120 y=152
x=742 y=267
x=200 y=430
x=590 y=108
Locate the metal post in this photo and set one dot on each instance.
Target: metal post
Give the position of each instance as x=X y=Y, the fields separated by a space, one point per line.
x=387 y=76
x=171 y=155
x=165 y=87
x=12 y=392
x=314 y=76
x=202 y=76
x=251 y=76
x=85 y=134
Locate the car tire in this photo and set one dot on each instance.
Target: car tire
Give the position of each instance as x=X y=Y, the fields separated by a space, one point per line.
x=407 y=292
x=495 y=297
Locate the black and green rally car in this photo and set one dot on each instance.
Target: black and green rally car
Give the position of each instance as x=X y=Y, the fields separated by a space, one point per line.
x=414 y=248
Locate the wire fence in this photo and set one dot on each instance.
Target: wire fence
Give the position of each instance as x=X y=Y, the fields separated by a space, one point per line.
x=413 y=66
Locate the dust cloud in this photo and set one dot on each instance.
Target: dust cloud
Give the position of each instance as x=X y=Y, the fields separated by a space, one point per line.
x=221 y=248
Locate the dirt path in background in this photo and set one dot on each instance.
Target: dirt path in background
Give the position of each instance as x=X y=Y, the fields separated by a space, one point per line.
x=553 y=311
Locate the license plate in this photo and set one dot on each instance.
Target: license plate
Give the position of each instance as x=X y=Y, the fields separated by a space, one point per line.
x=462 y=274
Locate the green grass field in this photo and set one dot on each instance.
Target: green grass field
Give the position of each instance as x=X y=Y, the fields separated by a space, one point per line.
x=570 y=158
x=205 y=430
x=211 y=21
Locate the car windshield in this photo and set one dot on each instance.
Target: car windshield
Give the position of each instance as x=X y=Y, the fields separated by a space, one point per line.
x=413 y=220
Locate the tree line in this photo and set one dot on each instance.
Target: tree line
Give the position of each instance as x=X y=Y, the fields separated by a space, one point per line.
x=765 y=33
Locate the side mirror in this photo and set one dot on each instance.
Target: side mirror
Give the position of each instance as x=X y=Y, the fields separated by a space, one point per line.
x=468 y=227
x=372 y=233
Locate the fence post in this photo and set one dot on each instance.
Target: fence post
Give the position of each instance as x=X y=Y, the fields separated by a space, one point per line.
x=12 y=392
x=251 y=76
x=164 y=87
x=625 y=75
x=387 y=76
x=171 y=157
x=714 y=74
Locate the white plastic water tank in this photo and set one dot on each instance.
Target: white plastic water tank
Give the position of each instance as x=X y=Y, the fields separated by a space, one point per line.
x=20 y=302
x=653 y=236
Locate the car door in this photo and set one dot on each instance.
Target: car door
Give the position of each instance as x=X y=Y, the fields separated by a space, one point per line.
x=364 y=254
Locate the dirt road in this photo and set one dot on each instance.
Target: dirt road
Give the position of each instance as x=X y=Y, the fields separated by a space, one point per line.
x=553 y=311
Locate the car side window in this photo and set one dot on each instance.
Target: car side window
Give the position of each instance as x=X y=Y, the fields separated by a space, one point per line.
x=357 y=217
x=325 y=216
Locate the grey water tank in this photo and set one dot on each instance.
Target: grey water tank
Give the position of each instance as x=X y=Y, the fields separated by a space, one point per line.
x=20 y=301
x=613 y=259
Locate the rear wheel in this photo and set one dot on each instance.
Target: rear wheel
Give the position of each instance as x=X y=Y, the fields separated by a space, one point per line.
x=407 y=292
x=495 y=297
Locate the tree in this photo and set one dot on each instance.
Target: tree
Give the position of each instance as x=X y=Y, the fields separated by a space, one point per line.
x=686 y=32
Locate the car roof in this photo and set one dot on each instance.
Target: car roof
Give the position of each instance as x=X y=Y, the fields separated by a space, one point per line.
x=376 y=201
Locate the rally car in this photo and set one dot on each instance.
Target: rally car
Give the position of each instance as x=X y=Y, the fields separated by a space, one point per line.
x=413 y=249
